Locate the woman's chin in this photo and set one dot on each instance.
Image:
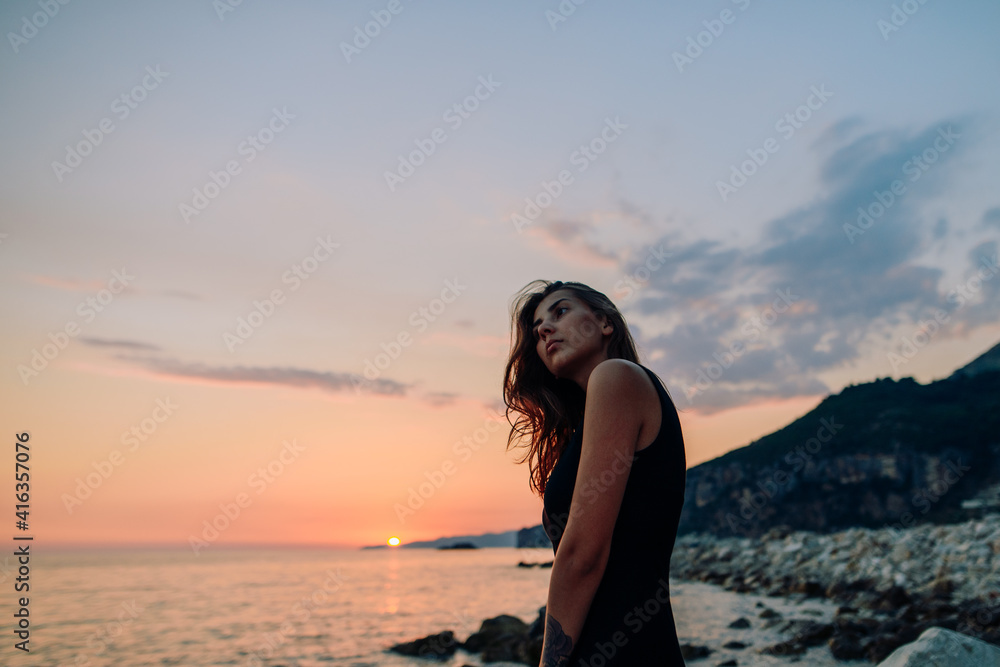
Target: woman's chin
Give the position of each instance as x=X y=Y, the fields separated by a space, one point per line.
x=558 y=370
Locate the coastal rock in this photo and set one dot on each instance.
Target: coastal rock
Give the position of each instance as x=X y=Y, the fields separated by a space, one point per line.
x=497 y=636
x=439 y=646
x=809 y=633
x=890 y=584
x=893 y=598
x=938 y=647
x=784 y=649
x=531 y=649
x=694 y=651
x=771 y=617
x=847 y=647
x=857 y=567
x=537 y=628
x=506 y=649
x=509 y=639
x=889 y=637
x=805 y=634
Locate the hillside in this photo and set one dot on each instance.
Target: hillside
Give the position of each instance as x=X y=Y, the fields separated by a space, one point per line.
x=988 y=362
x=882 y=453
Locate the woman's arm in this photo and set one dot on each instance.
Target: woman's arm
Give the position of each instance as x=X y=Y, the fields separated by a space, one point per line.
x=612 y=421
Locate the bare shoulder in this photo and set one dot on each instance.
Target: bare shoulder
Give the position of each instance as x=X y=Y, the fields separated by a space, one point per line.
x=622 y=391
x=621 y=377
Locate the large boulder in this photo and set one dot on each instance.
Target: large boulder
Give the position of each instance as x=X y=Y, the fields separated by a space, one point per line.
x=504 y=638
x=493 y=632
x=938 y=647
x=439 y=646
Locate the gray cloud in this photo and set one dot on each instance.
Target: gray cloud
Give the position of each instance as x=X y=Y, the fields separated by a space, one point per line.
x=573 y=234
x=992 y=218
x=975 y=299
x=839 y=132
x=847 y=292
x=121 y=344
x=441 y=398
x=285 y=376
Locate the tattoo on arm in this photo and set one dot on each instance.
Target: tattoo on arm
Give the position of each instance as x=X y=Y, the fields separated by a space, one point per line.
x=558 y=645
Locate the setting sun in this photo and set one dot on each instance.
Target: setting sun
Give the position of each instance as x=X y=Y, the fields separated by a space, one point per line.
x=393 y=541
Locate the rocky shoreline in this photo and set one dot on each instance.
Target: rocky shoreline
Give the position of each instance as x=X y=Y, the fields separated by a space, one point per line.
x=891 y=584
x=890 y=587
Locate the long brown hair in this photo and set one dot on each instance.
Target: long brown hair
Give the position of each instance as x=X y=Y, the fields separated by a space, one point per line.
x=548 y=408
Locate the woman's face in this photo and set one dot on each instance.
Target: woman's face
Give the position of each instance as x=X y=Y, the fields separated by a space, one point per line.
x=569 y=337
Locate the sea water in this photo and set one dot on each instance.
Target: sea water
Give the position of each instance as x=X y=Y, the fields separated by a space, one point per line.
x=319 y=607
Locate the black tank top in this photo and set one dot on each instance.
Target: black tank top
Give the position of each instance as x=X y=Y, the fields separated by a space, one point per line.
x=630 y=622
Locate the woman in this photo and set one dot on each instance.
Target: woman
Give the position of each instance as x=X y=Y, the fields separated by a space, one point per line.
x=606 y=453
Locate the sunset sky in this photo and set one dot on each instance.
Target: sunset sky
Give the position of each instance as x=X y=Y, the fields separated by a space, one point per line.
x=257 y=258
